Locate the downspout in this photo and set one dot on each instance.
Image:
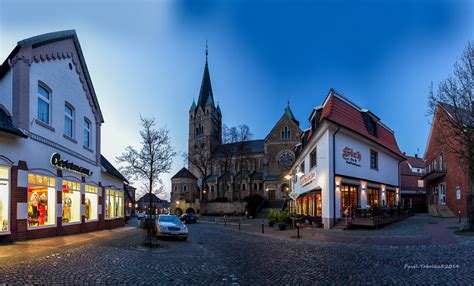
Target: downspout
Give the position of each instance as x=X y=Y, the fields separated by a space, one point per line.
x=334 y=171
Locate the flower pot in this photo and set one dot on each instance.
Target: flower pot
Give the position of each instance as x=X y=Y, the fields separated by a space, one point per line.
x=282 y=226
x=271 y=223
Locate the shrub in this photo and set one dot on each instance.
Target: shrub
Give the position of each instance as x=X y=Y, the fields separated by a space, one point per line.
x=272 y=215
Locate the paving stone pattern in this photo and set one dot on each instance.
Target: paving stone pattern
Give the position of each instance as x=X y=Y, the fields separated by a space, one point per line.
x=215 y=255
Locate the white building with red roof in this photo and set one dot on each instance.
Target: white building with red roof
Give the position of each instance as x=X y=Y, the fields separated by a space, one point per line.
x=347 y=163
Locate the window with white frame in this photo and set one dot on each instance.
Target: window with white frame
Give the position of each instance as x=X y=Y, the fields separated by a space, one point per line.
x=69 y=120
x=44 y=100
x=442 y=194
x=87 y=133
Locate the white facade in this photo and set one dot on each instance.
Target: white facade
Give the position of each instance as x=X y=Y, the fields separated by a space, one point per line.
x=56 y=195
x=333 y=170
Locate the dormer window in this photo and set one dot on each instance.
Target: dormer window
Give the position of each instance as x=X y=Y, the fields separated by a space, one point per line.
x=370 y=123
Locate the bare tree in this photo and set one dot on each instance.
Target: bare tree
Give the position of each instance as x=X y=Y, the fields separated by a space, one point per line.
x=154 y=158
x=457 y=128
x=232 y=153
x=202 y=161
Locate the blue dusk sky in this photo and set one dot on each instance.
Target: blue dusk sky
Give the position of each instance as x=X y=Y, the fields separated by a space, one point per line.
x=147 y=57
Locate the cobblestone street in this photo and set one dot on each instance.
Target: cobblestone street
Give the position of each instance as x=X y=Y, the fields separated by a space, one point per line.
x=215 y=254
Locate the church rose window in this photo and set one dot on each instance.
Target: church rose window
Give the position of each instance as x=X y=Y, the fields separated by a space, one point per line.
x=41 y=200
x=285 y=160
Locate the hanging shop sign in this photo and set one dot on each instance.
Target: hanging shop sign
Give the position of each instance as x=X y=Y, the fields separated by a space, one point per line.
x=351 y=157
x=293 y=195
x=307 y=179
x=69 y=166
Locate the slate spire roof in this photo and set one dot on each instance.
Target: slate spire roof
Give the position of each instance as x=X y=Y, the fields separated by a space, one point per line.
x=205 y=94
x=289 y=113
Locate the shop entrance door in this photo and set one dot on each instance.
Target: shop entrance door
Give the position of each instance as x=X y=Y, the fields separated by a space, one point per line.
x=349 y=196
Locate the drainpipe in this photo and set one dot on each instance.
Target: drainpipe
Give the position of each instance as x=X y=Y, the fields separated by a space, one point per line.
x=334 y=171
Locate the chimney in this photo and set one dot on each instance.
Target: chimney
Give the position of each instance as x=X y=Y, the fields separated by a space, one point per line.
x=416 y=155
x=404 y=153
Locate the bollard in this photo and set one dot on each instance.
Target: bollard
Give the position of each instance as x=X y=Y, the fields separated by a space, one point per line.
x=263 y=227
x=459 y=212
x=239 y=225
x=298 y=230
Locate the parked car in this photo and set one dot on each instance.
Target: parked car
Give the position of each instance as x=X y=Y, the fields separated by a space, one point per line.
x=140 y=215
x=189 y=218
x=170 y=226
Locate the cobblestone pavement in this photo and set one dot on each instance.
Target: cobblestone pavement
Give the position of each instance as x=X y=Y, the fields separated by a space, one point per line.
x=215 y=255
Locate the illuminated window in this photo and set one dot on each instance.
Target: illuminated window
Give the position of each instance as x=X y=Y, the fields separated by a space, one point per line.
x=41 y=200
x=372 y=197
x=4 y=199
x=71 y=196
x=91 y=203
x=113 y=204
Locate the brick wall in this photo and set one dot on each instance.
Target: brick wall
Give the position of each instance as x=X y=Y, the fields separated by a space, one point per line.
x=456 y=172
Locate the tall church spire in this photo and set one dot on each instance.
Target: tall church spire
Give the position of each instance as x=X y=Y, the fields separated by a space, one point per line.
x=205 y=94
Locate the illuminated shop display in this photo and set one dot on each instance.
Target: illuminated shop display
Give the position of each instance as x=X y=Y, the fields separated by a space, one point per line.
x=91 y=203
x=309 y=204
x=41 y=200
x=71 y=196
x=4 y=199
x=113 y=203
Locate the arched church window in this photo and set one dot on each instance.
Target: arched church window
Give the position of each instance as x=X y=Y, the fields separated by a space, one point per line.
x=286 y=133
x=255 y=186
x=243 y=187
x=184 y=188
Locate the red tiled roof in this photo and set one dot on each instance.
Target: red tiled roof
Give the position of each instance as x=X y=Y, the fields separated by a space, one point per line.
x=340 y=111
x=415 y=162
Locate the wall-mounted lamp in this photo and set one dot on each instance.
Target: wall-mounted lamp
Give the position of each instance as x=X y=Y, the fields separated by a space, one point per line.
x=300 y=174
x=338 y=186
x=288 y=177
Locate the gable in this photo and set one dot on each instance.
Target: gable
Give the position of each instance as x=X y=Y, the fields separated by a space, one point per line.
x=285 y=121
x=51 y=47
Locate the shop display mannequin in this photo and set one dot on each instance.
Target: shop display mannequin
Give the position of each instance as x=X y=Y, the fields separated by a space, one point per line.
x=43 y=202
x=67 y=203
x=5 y=225
x=1 y=210
x=34 y=203
x=88 y=209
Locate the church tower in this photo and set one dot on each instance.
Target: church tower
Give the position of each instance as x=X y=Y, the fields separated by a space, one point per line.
x=205 y=122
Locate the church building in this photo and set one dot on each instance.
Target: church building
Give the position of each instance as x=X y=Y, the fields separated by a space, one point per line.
x=227 y=170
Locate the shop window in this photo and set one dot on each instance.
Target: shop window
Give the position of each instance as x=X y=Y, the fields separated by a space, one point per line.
x=349 y=197
x=71 y=196
x=390 y=199
x=44 y=98
x=4 y=199
x=373 y=197
x=260 y=186
x=91 y=203
x=41 y=200
x=374 y=163
x=87 y=133
x=69 y=120
x=113 y=204
x=313 y=158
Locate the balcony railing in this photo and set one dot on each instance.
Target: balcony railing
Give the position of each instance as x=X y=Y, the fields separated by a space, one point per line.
x=434 y=171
